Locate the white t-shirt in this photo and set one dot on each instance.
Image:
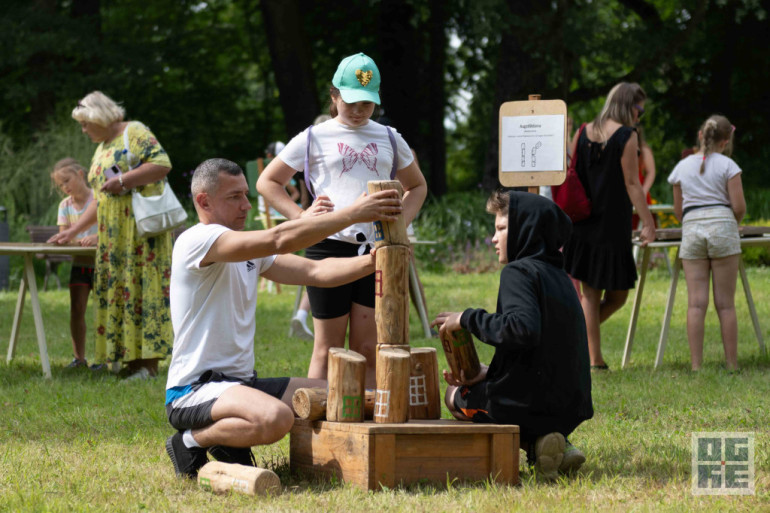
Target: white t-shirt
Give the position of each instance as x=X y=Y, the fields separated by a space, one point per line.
x=342 y=160
x=709 y=188
x=212 y=309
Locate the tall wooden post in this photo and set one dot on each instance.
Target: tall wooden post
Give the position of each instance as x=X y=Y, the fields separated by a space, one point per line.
x=389 y=233
x=391 y=295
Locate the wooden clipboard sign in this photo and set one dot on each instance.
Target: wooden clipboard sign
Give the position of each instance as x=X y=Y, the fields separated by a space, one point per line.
x=533 y=143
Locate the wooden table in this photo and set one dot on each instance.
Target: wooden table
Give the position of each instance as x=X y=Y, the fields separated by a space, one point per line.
x=28 y=250
x=672 y=238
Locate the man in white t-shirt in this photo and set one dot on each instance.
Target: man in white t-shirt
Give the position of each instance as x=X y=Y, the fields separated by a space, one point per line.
x=213 y=396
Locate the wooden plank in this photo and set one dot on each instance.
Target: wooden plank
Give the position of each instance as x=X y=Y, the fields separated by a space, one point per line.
x=383 y=462
x=503 y=459
x=432 y=426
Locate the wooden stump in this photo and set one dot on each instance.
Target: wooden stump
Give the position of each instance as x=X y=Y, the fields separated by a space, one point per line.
x=424 y=390
x=391 y=295
x=346 y=375
x=389 y=233
x=390 y=346
x=220 y=477
x=310 y=403
x=461 y=354
x=392 y=400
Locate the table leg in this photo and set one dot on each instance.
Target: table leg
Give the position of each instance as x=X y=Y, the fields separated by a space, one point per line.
x=637 y=303
x=750 y=303
x=29 y=271
x=419 y=300
x=17 y=319
x=669 y=309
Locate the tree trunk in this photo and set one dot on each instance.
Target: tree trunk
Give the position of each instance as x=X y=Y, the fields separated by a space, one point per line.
x=292 y=63
x=437 y=105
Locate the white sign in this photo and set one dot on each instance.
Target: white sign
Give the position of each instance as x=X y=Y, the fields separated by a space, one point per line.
x=532 y=143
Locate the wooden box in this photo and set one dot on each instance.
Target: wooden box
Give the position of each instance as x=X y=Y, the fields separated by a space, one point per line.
x=371 y=455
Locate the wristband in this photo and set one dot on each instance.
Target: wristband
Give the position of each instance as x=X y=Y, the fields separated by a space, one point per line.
x=120 y=179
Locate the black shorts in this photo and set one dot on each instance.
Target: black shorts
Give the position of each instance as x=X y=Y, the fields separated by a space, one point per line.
x=193 y=410
x=82 y=276
x=330 y=303
x=472 y=402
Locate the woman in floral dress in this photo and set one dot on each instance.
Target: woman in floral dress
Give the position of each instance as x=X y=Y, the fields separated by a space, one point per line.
x=132 y=273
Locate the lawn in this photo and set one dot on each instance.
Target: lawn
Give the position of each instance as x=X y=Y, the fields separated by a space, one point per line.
x=84 y=442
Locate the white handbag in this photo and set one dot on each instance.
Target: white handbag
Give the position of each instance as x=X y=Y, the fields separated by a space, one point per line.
x=154 y=214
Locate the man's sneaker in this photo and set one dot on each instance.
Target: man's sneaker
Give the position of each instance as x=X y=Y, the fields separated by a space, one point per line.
x=549 y=453
x=239 y=455
x=573 y=459
x=187 y=460
x=300 y=330
x=75 y=364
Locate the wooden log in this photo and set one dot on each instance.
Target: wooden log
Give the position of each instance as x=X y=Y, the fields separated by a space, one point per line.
x=346 y=375
x=309 y=403
x=391 y=295
x=220 y=477
x=313 y=403
x=390 y=346
x=392 y=401
x=424 y=389
x=389 y=233
x=461 y=354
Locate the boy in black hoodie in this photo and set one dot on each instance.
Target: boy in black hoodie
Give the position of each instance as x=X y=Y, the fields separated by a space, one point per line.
x=539 y=377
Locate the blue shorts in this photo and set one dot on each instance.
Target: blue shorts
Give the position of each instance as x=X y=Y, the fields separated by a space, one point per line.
x=189 y=407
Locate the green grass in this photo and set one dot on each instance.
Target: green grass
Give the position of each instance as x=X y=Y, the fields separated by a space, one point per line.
x=82 y=442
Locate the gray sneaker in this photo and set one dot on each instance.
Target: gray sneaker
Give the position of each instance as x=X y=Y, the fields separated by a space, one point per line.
x=300 y=330
x=549 y=453
x=573 y=459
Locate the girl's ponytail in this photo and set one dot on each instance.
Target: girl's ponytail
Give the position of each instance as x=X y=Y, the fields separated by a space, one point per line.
x=714 y=131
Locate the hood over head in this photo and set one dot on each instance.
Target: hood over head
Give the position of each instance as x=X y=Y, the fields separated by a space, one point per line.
x=537 y=228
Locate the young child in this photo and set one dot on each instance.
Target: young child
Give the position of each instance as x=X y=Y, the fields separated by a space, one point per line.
x=338 y=157
x=709 y=202
x=539 y=377
x=70 y=177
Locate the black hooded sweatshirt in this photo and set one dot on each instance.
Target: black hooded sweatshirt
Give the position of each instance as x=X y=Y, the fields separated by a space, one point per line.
x=539 y=377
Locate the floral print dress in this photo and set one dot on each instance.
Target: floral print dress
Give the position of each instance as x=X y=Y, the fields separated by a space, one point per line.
x=132 y=273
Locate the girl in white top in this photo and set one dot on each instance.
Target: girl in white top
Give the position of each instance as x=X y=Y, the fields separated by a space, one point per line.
x=708 y=200
x=342 y=155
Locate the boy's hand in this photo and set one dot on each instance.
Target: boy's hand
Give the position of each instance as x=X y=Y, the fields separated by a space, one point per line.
x=448 y=323
x=378 y=206
x=455 y=382
x=321 y=205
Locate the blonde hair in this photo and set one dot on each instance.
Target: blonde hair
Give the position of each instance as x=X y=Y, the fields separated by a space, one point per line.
x=96 y=107
x=619 y=106
x=498 y=202
x=714 y=131
x=68 y=165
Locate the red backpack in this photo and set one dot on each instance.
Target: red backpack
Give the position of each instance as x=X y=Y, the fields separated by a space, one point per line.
x=571 y=195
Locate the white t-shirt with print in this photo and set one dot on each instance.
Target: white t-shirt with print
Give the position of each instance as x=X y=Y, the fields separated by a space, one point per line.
x=342 y=160
x=709 y=188
x=212 y=309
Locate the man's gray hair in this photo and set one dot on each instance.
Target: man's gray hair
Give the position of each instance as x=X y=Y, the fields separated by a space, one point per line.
x=206 y=176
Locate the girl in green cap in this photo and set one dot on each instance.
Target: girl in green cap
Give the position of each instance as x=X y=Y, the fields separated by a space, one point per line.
x=338 y=158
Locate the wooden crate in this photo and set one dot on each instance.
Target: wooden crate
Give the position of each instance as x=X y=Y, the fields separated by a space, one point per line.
x=371 y=455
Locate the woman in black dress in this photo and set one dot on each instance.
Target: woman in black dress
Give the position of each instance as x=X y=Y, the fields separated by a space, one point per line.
x=599 y=253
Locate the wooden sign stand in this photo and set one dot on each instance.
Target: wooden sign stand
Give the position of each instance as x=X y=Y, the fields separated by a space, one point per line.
x=519 y=176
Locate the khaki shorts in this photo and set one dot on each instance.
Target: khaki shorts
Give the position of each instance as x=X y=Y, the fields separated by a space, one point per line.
x=709 y=233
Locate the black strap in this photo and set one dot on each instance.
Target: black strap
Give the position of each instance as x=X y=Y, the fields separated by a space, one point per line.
x=696 y=207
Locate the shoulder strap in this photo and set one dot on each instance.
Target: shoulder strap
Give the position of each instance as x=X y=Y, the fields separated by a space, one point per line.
x=127 y=151
x=307 y=164
x=395 y=153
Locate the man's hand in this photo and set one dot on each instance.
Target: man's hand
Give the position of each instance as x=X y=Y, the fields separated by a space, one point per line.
x=320 y=206
x=378 y=206
x=462 y=380
x=62 y=237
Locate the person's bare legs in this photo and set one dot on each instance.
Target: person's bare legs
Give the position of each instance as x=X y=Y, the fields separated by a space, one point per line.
x=591 y=302
x=78 y=305
x=363 y=339
x=328 y=333
x=612 y=302
x=696 y=274
x=725 y=273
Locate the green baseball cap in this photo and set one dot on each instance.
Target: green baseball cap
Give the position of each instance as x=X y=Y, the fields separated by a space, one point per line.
x=358 y=79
